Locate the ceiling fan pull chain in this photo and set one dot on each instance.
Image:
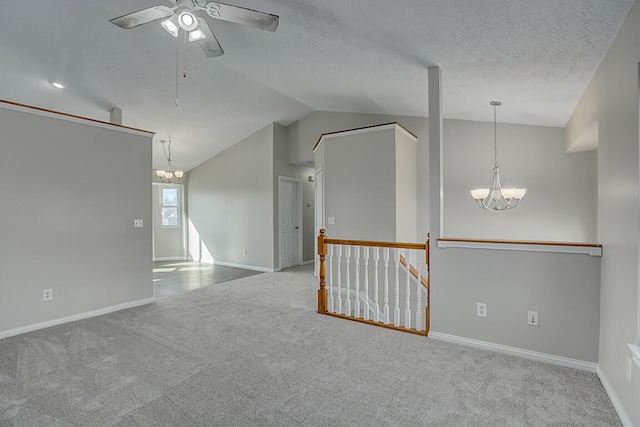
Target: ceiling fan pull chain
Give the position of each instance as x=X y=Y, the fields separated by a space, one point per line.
x=184 y=57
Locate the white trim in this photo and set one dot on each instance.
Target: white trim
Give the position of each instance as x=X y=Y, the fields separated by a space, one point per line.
x=76 y=119
x=587 y=250
x=617 y=405
x=308 y=262
x=635 y=350
x=169 y=258
x=514 y=351
x=246 y=267
x=74 y=317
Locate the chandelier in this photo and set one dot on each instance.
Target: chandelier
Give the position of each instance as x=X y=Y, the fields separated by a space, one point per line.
x=168 y=175
x=497 y=198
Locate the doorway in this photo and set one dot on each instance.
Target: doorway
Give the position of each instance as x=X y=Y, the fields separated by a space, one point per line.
x=168 y=222
x=289 y=221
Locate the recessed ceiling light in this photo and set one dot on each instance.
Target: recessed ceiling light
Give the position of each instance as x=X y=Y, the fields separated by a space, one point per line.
x=57 y=85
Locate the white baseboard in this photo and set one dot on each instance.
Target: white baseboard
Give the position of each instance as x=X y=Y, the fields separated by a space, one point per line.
x=622 y=414
x=74 y=317
x=307 y=262
x=169 y=258
x=514 y=351
x=246 y=267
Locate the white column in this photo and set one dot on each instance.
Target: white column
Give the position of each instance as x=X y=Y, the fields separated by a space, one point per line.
x=331 y=279
x=376 y=306
x=396 y=299
x=407 y=302
x=347 y=305
x=386 y=286
x=356 y=307
x=366 y=283
x=339 y=310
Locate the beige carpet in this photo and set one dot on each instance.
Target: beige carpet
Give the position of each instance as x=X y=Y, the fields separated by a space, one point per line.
x=253 y=352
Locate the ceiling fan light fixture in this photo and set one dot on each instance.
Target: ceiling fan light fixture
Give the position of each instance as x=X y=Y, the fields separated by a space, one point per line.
x=171 y=25
x=187 y=21
x=196 y=35
x=57 y=85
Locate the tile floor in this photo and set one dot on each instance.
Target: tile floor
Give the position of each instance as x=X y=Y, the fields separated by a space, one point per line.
x=174 y=277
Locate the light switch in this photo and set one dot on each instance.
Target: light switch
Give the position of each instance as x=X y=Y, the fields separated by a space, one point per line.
x=138 y=223
x=331 y=220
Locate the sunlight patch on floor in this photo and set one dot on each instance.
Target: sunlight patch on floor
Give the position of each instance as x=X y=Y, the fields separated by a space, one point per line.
x=163 y=270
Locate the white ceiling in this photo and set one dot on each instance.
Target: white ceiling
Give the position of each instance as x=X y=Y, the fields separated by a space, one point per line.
x=368 y=56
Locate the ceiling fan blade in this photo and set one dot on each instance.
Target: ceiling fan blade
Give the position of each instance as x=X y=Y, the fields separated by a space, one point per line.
x=209 y=43
x=143 y=16
x=241 y=15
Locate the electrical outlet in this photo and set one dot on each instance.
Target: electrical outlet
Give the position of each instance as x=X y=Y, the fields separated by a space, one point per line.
x=532 y=318
x=138 y=223
x=244 y=252
x=629 y=369
x=481 y=310
x=47 y=295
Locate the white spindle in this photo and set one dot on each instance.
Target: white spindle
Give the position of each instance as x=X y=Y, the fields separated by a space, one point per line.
x=376 y=306
x=386 y=286
x=366 y=283
x=339 y=310
x=407 y=302
x=331 y=278
x=356 y=308
x=396 y=300
x=347 y=254
x=419 y=322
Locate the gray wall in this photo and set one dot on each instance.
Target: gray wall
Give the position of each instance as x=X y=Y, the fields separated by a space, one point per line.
x=281 y=167
x=68 y=219
x=303 y=135
x=562 y=288
x=531 y=156
x=616 y=86
x=406 y=194
x=230 y=199
x=561 y=198
x=360 y=185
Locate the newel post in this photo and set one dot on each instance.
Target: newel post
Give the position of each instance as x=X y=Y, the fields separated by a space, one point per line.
x=322 y=292
x=428 y=309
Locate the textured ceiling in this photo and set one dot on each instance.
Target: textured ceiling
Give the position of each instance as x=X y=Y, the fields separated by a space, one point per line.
x=368 y=56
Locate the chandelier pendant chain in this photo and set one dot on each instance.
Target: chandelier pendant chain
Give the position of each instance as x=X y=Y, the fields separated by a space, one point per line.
x=497 y=198
x=495 y=134
x=168 y=175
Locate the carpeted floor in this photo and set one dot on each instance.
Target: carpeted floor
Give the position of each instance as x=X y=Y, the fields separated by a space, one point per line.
x=253 y=352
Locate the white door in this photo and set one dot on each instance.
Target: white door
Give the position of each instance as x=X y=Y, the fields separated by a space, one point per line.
x=288 y=223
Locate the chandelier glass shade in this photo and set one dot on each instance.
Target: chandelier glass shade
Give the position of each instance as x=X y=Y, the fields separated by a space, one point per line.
x=497 y=198
x=168 y=175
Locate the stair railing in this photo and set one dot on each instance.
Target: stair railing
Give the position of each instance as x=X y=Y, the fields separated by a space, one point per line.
x=397 y=267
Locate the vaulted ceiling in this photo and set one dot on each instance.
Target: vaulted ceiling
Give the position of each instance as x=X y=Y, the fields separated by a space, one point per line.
x=368 y=56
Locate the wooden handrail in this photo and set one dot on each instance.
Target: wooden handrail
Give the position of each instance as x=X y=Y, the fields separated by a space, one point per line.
x=72 y=116
x=323 y=308
x=520 y=242
x=374 y=243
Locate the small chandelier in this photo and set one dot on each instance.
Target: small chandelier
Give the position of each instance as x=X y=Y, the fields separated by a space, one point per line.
x=168 y=175
x=497 y=198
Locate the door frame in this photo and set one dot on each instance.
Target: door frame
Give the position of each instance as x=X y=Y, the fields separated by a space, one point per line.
x=298 y=184
x=318 y=221
x=156 y=186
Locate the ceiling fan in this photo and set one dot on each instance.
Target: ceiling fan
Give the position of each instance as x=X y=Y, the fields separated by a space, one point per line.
x=195 y=18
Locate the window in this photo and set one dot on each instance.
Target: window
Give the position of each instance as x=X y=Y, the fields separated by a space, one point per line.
x=169 y=207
